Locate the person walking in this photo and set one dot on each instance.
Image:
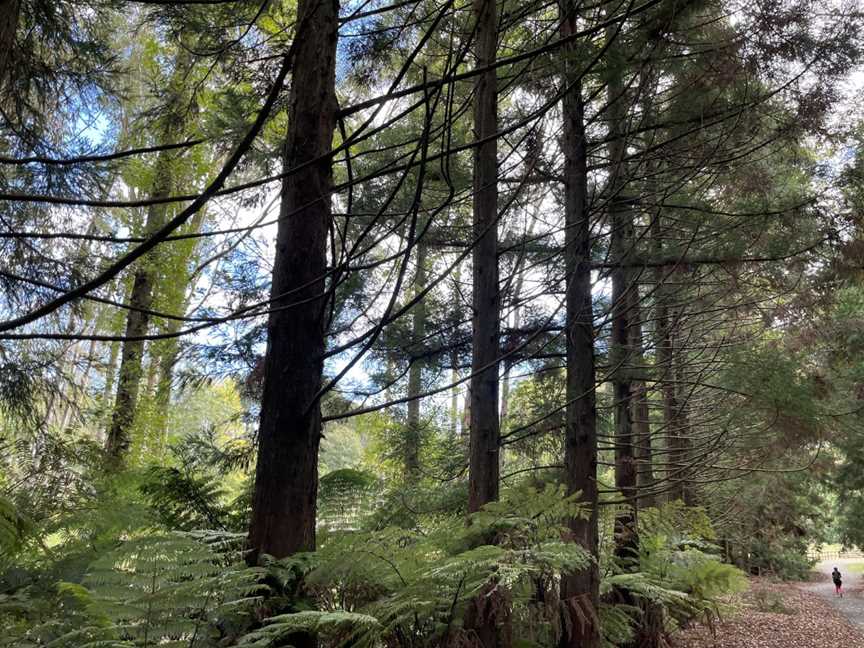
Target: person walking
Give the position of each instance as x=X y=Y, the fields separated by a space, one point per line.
x=837 y=577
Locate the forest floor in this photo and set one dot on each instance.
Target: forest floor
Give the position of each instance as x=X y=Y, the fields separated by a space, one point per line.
x=789 y=615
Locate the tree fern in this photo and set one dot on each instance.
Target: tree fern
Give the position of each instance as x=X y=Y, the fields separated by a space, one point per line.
x=179 y=589
x=411 y=587
x=336 y=628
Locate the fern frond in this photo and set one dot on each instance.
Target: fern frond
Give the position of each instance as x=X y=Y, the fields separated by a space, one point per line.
x=340 y=628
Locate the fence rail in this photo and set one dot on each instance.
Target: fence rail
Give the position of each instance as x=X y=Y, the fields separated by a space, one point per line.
x=835 y=555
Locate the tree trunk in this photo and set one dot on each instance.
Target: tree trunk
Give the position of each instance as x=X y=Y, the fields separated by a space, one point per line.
x=454 y=394
x=483 y=471
x=137 y=322
x=681 y=418
x=623 y=285
x=487 y=617
x=580 y=591
x=663 y=366
x=286 y=478
x=413 y=429
x=641 y=411
x=10 y=10
x=174 y=300
x=518 y=282
x=143 y=284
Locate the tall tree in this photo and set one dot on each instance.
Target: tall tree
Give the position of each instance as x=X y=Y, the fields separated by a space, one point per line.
x=582 y=588
x=146 y=274
x=286 y=478
x=621 y=253
x=486 y=615
x=483 y=473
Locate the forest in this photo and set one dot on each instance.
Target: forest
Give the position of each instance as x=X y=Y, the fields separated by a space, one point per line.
x=425 y=323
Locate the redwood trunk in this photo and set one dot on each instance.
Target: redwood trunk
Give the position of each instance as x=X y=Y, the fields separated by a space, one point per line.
x=580 y=591
x=286 y=478
x=487 y=617
x=623 y=285
x=483 y=469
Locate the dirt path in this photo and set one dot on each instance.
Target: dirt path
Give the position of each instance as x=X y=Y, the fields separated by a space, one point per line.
x=783 y=615
x=850 y=606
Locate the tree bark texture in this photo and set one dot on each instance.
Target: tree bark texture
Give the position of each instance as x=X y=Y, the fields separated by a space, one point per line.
x=286 y=478
x=483 y=473
x=623 y=285
x=10 y=11
x=487 y=617
x=580 y=591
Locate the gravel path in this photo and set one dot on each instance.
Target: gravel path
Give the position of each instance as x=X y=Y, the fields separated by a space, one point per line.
x=807 y=617
x=851 y=606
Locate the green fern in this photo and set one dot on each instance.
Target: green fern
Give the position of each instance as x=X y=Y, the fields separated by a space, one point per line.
x=337 y=628
x=184 y=500
x=170 y=590
x=394 y=584
x=13 y=527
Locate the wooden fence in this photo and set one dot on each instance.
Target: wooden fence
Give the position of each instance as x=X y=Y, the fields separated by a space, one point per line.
x=835 y=555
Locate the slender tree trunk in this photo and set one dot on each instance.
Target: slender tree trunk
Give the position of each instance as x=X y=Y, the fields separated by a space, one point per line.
x=623 y=284
x=509 y=363
x=641 y=410
x=651 y=623
x=175 y=300
x=137 y=322
x=664 y=369
x=286 y=479
x=167 y=361
x=483 y=474
x=466 y=416
x=580 y=591
x=454 y=393
x=487 y=616
x=680 y=418
x=143 y=284
x=413 y=429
